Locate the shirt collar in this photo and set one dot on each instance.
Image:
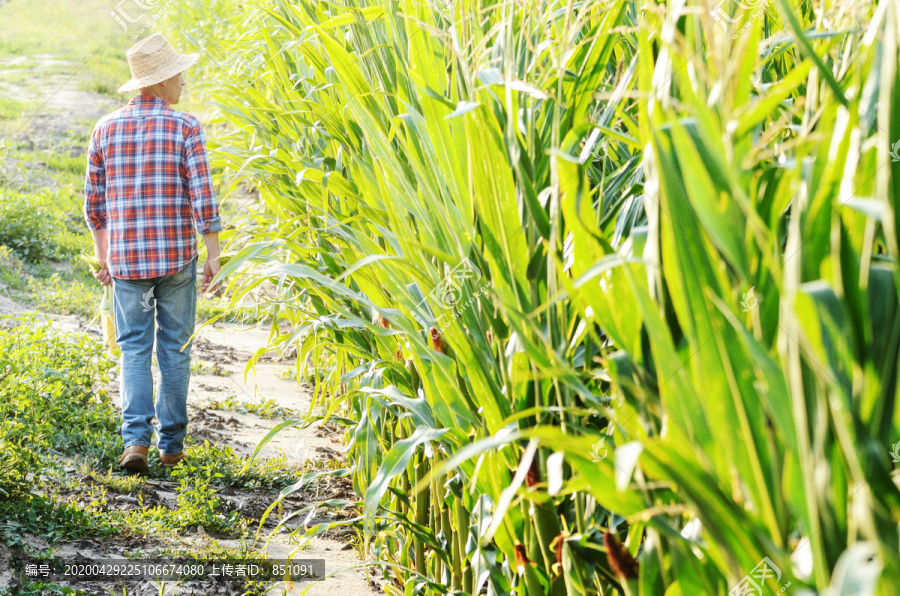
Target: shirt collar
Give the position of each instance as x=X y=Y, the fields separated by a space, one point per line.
x=146 y=100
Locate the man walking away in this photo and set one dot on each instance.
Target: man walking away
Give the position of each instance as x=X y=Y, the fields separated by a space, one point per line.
x=146 y=188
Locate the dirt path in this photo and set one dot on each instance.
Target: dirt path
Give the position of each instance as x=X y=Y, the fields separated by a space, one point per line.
x=227 y=348
x=56 y=107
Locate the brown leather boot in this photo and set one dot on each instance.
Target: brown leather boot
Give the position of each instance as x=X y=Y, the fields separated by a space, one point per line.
x=170 y=461
x=134 y=458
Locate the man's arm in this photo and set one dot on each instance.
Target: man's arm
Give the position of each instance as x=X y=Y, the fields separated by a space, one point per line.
x=101 y=250
x=212 y=259
x=203 y=200
x=95 y=205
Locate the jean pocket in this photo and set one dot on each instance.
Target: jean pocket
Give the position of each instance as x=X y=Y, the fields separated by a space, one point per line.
x=186 y=273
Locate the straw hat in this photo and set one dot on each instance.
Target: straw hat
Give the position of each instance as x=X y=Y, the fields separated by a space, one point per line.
x=153 y=60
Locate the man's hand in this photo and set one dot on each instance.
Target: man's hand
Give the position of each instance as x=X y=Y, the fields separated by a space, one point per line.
x=103 y=276
x=210 y=269
x=101 y=252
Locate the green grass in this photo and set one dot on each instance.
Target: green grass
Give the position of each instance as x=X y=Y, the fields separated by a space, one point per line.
x=223 y=467
x=266 y=408
x=29 y=588
x=10 y=109
x=49 y=519
x=11 y=268
x=288 y=374
x=204 y=368
x=43 y=224
x=67 y=291
x=67 y=164
x=114 y=482
x=57 y=294
x=53 y=416
x=35 y=228
x=48 y=403
x=26 y=34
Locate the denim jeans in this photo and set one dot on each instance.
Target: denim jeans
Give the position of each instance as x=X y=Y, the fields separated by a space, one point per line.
x=173 y=299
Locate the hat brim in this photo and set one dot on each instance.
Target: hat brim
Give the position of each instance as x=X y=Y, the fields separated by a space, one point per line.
x=175 y=67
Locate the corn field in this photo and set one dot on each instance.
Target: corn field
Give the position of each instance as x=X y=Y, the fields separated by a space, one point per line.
x=605 y=292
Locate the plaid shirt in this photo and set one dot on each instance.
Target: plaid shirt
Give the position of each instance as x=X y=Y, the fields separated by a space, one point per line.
x=148 y=182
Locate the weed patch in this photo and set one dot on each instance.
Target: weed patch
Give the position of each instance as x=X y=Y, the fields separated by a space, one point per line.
x=266 y=408
x=55 y=412
x=42 y=225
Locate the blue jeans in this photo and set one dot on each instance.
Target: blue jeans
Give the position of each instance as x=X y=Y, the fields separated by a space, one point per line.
x=173 y=299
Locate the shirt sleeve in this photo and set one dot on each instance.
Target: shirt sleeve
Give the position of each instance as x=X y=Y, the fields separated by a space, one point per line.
x=199 y=182
x=95 y=185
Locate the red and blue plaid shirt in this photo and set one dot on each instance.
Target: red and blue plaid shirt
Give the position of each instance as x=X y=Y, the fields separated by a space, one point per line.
x=148 y=182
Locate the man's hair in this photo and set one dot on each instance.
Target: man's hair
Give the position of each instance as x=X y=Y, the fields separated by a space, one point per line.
x=156 y=85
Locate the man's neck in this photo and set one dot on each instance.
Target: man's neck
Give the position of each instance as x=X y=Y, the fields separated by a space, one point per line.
x=152 y=93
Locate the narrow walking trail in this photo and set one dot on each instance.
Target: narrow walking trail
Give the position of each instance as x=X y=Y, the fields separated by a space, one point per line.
x=222 y=350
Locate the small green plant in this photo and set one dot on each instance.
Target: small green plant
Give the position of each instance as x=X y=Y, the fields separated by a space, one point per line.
x=47 y=395
x=15 y=464
x=72 y=164
x=48 y=518
x=26 y=226
x=38 y=589
x=198 y=504
x=119 y=484
x=10 y=268
x=10 y=109
x=225 y=468
x=289 y=373
x=208 y=368
x=60 y=295
x=269 y=408
x=266 y=408
x=41 y=225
